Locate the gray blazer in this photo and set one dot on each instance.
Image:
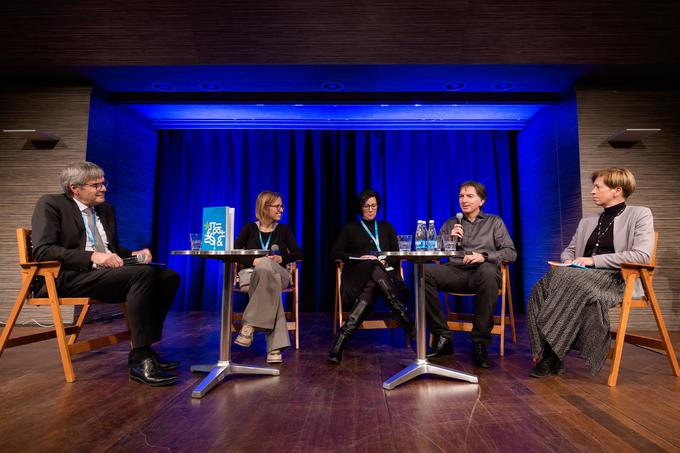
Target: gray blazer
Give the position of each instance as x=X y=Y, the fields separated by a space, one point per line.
x=633 y=239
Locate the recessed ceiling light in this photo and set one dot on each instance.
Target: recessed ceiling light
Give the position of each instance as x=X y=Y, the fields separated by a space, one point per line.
x=332 y=86
x=454 y=86
x=162 y=86
x=503 y=86
x=211 y=86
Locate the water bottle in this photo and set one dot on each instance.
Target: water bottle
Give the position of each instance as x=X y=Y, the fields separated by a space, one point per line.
x=431 y=236
x=421 y=236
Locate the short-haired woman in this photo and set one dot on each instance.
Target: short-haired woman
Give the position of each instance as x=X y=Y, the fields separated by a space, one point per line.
x=569 y=306
x=266 y=276
x=359 y=246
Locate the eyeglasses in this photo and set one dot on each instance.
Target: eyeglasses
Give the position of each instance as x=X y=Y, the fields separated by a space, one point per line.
x=278 y=207
x=97 y=186
x=370 y=207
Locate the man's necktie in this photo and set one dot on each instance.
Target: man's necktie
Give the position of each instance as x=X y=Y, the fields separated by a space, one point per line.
x=98 y=242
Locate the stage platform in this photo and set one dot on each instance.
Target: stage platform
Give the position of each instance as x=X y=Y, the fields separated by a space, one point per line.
x=317 y=406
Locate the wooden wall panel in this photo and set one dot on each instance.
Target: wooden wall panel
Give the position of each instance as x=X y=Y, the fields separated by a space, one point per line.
x=26 y=174
x=168 y=32
x=654 y=162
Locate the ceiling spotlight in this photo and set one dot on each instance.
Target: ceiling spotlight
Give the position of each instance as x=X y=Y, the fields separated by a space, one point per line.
x=332 y=86
x=162 y=86
x=211 y=86
x=503 y=86
x=454 y=86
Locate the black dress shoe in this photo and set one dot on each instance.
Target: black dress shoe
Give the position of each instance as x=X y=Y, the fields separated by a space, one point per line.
x=480 y=356
x=148 y=372
x=166 y=365
x=548 y=366
x=442 y=346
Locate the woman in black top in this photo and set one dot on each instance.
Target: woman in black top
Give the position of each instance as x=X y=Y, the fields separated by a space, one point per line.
x=266 y=276
x=359 y=246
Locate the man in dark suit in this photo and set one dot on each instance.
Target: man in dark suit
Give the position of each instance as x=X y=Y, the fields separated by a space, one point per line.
x=78 y=228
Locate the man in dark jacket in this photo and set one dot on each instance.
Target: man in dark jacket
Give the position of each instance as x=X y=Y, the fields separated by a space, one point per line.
x=78 y=228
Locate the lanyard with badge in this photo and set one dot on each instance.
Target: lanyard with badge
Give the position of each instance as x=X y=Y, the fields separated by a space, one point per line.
x=376 y=240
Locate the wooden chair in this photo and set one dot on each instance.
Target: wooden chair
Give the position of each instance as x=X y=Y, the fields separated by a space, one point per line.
x=632 y=272
x=50 y=270
x=292 y=317
x=463 y=321
x=374 y=320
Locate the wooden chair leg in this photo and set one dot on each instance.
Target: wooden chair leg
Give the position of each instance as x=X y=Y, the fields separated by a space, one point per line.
x=79 y=324
x=59 y=329
x=296 y=309
x=503 y=301
x=511 y=311
x=661 y=325
x=621 y=331
x=18 y=305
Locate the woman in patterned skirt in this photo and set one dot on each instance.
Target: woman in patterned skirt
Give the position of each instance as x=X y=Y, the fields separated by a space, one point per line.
x=569 y=306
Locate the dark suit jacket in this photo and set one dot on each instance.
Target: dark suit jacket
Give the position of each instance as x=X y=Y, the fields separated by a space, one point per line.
x=59 y=233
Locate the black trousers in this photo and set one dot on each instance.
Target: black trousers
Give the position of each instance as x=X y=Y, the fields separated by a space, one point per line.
x=148 y=291
x=483 y=279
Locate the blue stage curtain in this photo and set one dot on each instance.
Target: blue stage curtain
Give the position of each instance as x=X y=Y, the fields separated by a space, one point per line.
x=318 y=173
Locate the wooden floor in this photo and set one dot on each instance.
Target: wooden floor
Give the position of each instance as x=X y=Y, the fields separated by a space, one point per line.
x=315 y=406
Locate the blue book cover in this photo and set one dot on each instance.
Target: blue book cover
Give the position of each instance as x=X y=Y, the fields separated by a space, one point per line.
x=218 y=228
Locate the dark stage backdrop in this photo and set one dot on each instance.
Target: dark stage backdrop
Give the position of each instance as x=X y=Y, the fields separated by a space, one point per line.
x=319 y=173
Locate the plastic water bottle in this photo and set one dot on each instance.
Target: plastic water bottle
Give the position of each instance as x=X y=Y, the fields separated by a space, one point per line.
x=421 y=236
x=431 y=236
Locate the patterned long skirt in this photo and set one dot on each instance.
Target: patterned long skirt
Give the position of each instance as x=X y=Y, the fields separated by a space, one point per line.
x=569 y=308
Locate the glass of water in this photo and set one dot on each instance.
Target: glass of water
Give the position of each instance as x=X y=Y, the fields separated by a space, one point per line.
x=405 y=242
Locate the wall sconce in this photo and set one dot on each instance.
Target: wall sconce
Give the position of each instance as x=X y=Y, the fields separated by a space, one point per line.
x=35 y=139
x=627 y=138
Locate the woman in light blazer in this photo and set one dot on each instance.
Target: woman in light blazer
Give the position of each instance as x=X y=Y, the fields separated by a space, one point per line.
x=569 y=306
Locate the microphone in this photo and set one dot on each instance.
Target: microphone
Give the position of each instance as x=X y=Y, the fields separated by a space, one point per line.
x=134 y=259
x=275 y=249
x=459 y=221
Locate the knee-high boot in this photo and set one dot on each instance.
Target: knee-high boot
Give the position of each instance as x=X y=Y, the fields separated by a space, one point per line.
x=398 y=308
x=354 y=320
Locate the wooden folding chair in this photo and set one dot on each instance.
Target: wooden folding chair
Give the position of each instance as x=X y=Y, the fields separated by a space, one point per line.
x=463 y=321
x=292 y=317
x=632 y=272
x=374 y=320
x=49 y=270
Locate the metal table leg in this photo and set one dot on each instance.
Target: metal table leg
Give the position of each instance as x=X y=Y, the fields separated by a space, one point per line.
x=421 y=365
x=224 y=368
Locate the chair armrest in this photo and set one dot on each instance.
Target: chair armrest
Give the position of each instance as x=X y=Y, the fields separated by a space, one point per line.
x=40 y=263
x=636 y=266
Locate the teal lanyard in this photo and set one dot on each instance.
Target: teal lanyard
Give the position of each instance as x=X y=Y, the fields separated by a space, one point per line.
x=376 y=239
x=265 y=246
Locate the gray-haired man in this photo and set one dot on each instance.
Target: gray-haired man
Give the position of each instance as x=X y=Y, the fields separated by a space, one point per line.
x=78 y=228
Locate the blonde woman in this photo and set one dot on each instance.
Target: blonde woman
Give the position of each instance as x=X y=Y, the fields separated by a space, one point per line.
x=569 y=306
x=265 y=277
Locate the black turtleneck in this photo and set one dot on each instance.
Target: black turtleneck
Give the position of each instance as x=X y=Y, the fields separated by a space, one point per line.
x=601 y=241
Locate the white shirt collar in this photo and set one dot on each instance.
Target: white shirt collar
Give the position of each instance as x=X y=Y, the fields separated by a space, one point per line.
x=82 y=206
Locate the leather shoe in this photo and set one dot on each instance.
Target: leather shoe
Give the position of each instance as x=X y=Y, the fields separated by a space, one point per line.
x=480 y=356
x=148 y=372
x=442 y=346
x=549 y=365
x=166 y=365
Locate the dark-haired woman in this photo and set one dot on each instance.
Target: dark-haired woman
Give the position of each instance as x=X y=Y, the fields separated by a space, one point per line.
x=365 y=275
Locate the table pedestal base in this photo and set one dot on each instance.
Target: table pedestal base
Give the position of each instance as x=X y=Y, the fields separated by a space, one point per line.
x=217 y=373
x=416 y=368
